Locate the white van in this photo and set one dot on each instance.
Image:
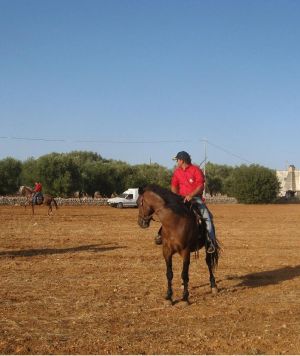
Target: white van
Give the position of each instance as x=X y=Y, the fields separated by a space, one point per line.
x=126 y=199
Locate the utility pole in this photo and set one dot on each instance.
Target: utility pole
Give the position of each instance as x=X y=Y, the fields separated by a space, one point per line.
x=204 y=166
x=205 y=155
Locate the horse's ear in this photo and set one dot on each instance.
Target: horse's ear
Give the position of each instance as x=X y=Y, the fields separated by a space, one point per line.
x=141 y=190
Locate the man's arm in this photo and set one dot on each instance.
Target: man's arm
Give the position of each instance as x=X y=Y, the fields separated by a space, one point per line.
x=174 y=189
x=175 y=183
x=197 y=191
x=200 y=180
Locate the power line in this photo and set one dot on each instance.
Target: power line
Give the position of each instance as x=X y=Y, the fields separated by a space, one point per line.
x=90 y=141
x=38 y=139
x=226 y=151
x=133 y=141
x=138 y=141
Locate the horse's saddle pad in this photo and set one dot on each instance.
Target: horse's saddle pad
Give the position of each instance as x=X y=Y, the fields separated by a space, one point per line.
x=38 y=199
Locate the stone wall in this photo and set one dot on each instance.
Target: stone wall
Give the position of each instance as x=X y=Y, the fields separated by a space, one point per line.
x=13 y=200
x=6 y=200
x=220 y=199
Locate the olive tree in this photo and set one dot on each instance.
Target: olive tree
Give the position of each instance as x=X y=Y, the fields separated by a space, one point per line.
x=254 y=184
x=10 y=171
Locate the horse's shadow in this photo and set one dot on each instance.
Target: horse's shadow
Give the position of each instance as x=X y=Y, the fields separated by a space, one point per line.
x=260 y=279
x=265 y=278
x=54 y=251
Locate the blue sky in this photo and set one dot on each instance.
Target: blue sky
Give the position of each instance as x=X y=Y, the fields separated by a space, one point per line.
x=141 y=80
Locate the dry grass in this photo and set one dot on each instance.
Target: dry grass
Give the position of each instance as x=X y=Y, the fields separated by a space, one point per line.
x=88 y=280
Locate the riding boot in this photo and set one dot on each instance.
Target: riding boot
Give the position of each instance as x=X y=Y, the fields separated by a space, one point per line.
x=158 y=239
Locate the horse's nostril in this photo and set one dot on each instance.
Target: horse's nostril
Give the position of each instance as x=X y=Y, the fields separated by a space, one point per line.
x=143 y=224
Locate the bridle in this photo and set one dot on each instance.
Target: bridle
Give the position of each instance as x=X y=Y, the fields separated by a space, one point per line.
x=145 y=218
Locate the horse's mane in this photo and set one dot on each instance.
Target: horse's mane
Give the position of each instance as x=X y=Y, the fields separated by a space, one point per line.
x=172 y=200
x=24 y=187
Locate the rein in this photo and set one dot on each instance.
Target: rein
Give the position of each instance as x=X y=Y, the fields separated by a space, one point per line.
x=149 y=217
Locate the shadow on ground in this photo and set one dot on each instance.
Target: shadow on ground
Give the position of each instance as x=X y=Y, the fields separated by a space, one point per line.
x=266 y=278
x=54 y=251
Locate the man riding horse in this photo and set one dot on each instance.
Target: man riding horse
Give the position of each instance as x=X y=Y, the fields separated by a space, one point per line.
x=37 y=196
x=188 y=181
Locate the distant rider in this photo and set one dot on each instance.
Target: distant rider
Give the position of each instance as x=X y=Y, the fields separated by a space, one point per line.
x=37 y=190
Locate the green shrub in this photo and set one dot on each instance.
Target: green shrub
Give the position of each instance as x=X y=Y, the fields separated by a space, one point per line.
x=10 y=171
x=254 y=184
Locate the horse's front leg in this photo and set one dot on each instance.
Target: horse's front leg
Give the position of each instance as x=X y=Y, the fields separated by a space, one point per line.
x=27 y=202
x=168 y=258
x=185 y=274
x=212 y=280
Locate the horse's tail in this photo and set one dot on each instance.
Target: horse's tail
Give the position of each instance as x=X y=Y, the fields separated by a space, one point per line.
x=214 y=257
x=55 y=203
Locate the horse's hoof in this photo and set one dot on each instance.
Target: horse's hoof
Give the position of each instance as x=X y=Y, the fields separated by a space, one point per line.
x=183 y=304
x=168 y=302
x=214 y=291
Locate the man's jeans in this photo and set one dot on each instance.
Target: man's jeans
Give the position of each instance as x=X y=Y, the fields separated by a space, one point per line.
x=207 y=216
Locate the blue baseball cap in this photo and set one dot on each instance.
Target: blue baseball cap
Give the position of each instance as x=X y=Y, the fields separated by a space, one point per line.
x=183 y=156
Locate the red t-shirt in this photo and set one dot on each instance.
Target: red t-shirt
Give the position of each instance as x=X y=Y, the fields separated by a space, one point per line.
x=187 y=180
x=38 y=187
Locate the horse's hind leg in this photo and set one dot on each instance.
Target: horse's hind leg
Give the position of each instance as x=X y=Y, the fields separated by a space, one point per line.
x=212 y=280
x=169 y=274
x=185 y=275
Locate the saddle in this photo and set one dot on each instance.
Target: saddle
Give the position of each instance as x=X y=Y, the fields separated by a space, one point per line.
x=194 y=207
x=202 y=232
x=202 y=228
x=38 y=198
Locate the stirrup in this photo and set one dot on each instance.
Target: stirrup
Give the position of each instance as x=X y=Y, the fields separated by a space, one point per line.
x=210 y=247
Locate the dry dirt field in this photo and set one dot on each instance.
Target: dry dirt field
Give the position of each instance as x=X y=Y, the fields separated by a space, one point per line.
x=88 y=280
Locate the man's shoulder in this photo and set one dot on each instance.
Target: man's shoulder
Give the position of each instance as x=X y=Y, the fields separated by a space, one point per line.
x=177 y=171
x=195 y=167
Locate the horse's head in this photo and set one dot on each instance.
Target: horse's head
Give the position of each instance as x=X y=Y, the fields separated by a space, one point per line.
x=21 y=190
x=25 y=191
x=146 y=211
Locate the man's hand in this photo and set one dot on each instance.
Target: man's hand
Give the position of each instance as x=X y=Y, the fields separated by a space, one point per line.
x=188 y=198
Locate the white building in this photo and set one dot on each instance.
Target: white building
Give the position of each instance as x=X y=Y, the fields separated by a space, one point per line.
x=289 y=181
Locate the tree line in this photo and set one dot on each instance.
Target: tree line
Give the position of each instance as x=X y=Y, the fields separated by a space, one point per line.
x=62 y=174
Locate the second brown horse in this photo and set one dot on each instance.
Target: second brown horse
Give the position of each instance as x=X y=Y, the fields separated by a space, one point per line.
x=48 y=200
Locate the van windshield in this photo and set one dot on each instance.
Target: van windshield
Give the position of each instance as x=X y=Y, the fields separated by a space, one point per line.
x=123 y=195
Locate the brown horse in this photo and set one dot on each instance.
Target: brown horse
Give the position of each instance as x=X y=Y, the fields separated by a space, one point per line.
x=181 y=233
x=47 y=199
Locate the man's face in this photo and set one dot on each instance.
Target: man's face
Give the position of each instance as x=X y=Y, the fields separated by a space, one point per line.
x=179 y=163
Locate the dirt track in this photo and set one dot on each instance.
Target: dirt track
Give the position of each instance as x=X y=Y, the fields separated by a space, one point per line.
x=88 y=280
